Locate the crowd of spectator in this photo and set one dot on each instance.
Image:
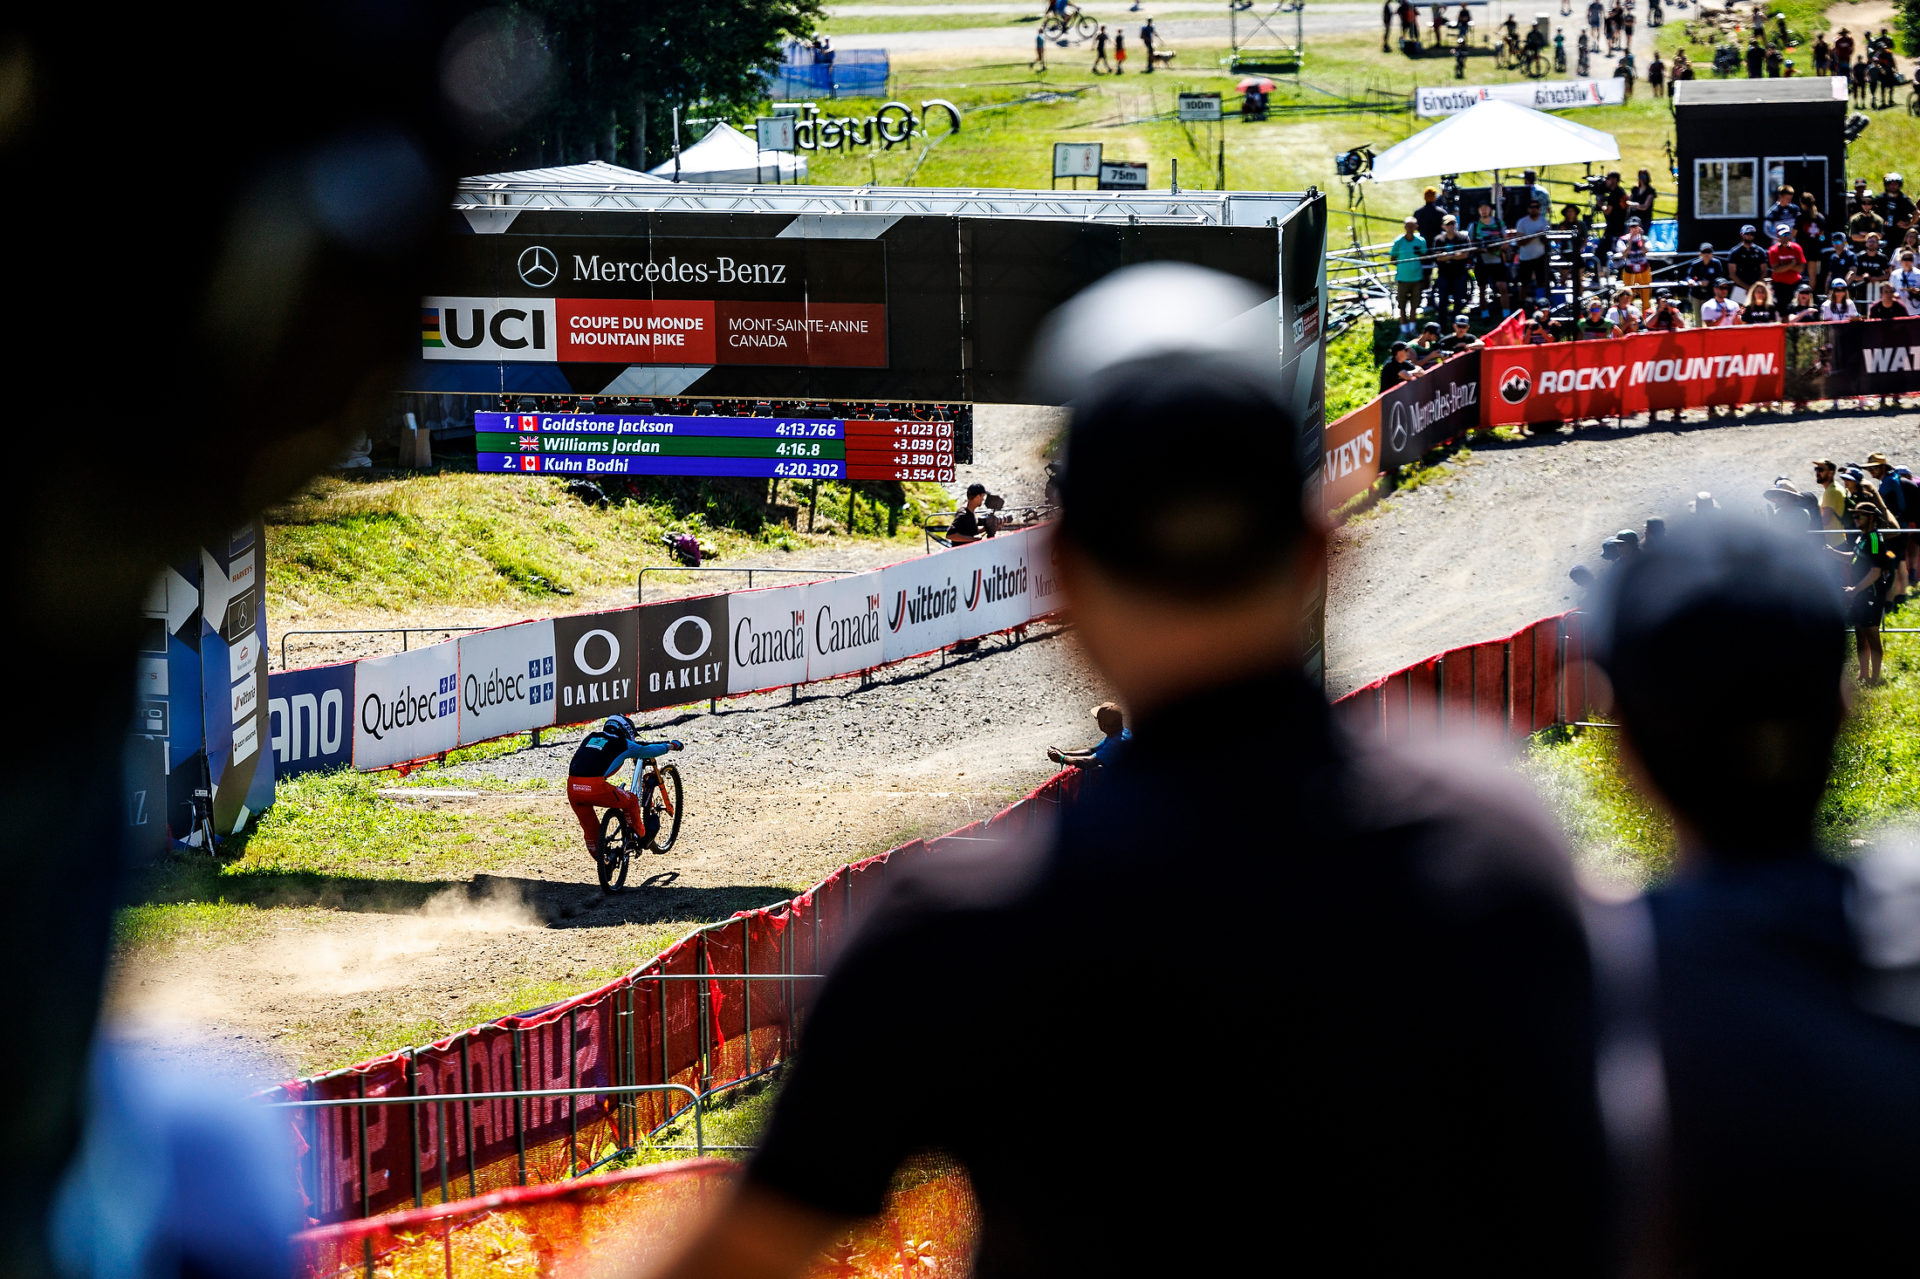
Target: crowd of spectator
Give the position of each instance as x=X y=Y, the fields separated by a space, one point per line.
x=1867 y=517
x=1797 y=265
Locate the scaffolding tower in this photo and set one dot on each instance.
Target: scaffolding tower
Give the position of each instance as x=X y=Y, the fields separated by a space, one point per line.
x=1253 y=28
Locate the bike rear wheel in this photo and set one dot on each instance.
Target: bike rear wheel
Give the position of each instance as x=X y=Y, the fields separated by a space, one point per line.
x=663 y=800
x=615 y=850
x=1084 y=27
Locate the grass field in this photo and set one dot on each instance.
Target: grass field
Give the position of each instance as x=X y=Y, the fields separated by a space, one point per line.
x=1012 y=116
x=1578 y=773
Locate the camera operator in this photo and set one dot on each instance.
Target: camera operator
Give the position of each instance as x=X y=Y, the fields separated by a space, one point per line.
x=1610 y=205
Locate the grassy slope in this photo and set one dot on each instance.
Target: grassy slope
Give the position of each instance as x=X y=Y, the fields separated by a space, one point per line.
x=1875 y=767
x=469 y=539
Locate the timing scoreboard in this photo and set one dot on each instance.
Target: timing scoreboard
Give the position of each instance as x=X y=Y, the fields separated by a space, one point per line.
x=716 y=445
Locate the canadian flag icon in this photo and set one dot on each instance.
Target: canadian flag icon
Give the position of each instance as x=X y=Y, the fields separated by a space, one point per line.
x=531 y=462
x=528 y=422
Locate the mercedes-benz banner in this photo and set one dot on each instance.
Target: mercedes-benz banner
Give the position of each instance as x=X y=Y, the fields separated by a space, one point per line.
x=844 y=625
x=683 y=651
x=595 y=664
x=766 y=638
x=408 y=707
x=507 y=681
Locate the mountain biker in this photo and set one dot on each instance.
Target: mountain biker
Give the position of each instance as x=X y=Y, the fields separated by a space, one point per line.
x=590 y=782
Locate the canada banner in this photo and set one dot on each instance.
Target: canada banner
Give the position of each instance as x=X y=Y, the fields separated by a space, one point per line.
x=1694 y=368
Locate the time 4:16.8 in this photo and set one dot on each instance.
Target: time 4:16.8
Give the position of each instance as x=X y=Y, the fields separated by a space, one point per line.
x=807 y=470
x=796 y=449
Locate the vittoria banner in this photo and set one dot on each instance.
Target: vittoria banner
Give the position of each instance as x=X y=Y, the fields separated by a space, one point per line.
x=920 y=605
x=995 y=581
x=1541 y=95
x=1693 y=368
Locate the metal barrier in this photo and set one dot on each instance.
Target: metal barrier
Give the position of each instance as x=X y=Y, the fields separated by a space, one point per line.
x=401 y=631
x=687 y=568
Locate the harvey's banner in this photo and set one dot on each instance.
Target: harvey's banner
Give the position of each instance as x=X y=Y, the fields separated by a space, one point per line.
x=1696 y=368
x=1545 y=95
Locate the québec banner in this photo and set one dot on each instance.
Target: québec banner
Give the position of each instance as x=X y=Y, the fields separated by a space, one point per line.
x=569 y=670
x=1542 y=95
x=1694 y=368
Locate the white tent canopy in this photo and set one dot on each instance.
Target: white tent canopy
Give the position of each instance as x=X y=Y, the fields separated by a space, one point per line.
x=728 y=155
x=1493 y=135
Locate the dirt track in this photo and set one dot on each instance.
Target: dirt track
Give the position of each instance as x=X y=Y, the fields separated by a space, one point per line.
x=1486 y=550
x=781 y=793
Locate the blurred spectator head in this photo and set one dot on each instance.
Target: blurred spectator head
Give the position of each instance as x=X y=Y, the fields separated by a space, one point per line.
x=1110 y=718
x=1877 y=465
x=1460 y=323
x=1746 y=233
x=1411 y=227
x=1449 y=222
x=1730 y=629
x=1429 y=195
x=1706 y=250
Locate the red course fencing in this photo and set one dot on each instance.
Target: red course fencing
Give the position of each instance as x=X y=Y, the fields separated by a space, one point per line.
x=459 y=1170
x=684 y=1018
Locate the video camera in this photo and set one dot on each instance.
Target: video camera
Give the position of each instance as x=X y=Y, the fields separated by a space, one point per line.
x=1592 y=184
x=1357 y=163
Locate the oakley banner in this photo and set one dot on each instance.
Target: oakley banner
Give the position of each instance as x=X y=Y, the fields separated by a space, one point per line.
x=767 y=638
x=683 y=651
x=1694 y=368
x=595 y=665
x=409 y=707
x=844 y=625
x=507 y=682
x=1430 y=411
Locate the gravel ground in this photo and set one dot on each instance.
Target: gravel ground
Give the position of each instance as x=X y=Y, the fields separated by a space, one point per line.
x=1486 y=549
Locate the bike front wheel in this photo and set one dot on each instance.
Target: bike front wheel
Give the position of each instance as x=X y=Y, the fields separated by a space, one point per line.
x=615 y=850
x=663 y=802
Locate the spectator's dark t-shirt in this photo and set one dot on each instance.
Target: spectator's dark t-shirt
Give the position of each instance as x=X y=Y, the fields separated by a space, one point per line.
x=1614 y=204
x=1417 y=955
x=1454 y=343
x=1390 y=373
x=1700 y=278
x=1748 y=263
x=1870 y=551
x=1893 y=205
x=1795 y=1116
x=1887 y=308
x=1427 y=217
x=1873 y=266
x=1764 y=314
x=965 y=524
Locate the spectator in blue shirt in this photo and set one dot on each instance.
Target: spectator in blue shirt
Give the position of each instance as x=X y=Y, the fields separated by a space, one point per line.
x=1409 y=255
x=1114 y=735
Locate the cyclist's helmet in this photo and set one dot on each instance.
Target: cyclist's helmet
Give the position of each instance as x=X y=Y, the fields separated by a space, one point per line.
x=618 y=726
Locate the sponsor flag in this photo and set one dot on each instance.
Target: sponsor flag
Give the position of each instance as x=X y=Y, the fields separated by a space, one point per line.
x=1507 y=332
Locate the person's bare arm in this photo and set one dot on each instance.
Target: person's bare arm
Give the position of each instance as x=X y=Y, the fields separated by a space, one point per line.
x=756 y=1234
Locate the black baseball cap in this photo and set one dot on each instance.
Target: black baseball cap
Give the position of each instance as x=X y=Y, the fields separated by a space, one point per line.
x=1211 y=529
x=976 y=490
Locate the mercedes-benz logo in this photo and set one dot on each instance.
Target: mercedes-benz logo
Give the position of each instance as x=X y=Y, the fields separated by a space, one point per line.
x=538 y=267
x=1397 y=437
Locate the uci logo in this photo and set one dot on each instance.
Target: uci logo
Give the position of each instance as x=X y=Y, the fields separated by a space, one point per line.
x=538 y=267
x=1397 y=433
x=1514 y=385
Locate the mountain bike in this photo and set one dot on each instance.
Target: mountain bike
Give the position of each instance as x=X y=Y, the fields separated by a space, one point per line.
x=660 y=808
x=1068 y=22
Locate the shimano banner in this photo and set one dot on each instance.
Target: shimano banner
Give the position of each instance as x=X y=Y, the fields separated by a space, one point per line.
x=1542 y=95
x=310 y=712
x=844 y=625
x=1430 y=411
x=683 y=651
x=595 y=663
x=409 y=707
x=767 y=638
x=507 y=681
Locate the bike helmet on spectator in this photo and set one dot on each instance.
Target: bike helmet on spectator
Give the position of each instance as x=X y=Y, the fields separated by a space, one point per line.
x=618 y=726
